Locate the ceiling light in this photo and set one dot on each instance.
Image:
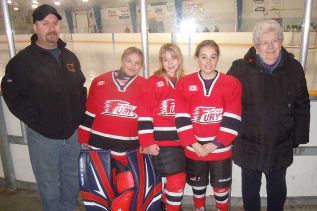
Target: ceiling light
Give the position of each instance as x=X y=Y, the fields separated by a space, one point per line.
x=15 y=8
x=85 y=0
x=34 y=6
x=57 y=3
x=9 y=2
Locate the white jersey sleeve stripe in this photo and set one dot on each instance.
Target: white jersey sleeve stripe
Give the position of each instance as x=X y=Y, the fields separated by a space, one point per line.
x=182 y=115
x=181 y=129
x=145 y=119
x=235 y=116
x=227 y=130
x=90 y=114
x=140 y=132
x=165 y=128
x=84 y=128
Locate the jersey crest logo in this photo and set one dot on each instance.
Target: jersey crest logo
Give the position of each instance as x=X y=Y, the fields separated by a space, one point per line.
x=167 y=107
x=205 y=115
x=119 y=108
x=160 y=84
x=193 y=88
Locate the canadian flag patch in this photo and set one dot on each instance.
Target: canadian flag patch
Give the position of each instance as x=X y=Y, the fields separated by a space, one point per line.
x=160 y=84
x=193 y=88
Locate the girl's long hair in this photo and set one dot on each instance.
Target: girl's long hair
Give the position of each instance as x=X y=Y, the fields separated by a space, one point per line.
x=175 y=50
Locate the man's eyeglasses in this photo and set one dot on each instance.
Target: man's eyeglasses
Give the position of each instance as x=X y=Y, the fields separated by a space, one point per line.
x=266 y=44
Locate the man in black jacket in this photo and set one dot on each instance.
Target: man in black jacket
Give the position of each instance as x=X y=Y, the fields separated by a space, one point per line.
x=44 y=87
x=275 y=115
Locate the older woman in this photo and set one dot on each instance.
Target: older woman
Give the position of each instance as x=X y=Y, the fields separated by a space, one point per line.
x=275 y=115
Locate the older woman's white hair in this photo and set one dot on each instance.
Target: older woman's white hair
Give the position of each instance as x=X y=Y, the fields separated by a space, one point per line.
x=267 y=26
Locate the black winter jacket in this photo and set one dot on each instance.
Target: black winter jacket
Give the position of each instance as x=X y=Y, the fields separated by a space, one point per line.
x=46 y=95
x=275 y=112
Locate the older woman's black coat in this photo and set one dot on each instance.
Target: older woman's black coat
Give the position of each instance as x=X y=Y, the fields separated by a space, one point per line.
x=275 y=112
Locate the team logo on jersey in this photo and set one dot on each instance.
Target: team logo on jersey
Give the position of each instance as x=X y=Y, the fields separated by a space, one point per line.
x=193 y=88
x=119 y=108
x=167 y=107
x=160 y=84
x=205 y=115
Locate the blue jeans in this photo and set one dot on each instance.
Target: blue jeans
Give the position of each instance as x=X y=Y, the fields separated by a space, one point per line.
x=275 y=188
x=55 y=166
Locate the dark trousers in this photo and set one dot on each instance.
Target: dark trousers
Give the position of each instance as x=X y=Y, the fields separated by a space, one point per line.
x=275 y=188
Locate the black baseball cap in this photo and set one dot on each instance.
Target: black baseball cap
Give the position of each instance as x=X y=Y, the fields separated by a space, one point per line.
x=44 y=10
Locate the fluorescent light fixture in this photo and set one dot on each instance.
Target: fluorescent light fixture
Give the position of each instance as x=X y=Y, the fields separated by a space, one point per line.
x=15 y=8
x=9 y=2
x=34 y=2
x=85 y=0
x=34 y=6
x=57 y=3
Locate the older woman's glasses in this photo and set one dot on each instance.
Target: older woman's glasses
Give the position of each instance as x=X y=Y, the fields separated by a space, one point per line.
x=266 y=44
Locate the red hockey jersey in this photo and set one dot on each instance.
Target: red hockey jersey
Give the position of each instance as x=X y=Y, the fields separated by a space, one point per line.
x=110 y=120
x=157 y=113
x=206 y=116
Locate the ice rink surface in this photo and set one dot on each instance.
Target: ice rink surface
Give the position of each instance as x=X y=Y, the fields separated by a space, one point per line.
x=97 y=58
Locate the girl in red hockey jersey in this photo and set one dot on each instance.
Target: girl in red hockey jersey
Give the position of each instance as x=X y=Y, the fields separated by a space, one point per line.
x=112 y=172
x=157 y=128
x=110 y=120
x=208 y=109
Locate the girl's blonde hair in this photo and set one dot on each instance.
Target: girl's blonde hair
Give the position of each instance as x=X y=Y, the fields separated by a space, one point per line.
x=176 y=51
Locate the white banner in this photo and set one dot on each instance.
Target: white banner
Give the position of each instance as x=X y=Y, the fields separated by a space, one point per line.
x=259 y=5
x=117 y=13
x=193 y=9
x=276 y=4
x=159 y=10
